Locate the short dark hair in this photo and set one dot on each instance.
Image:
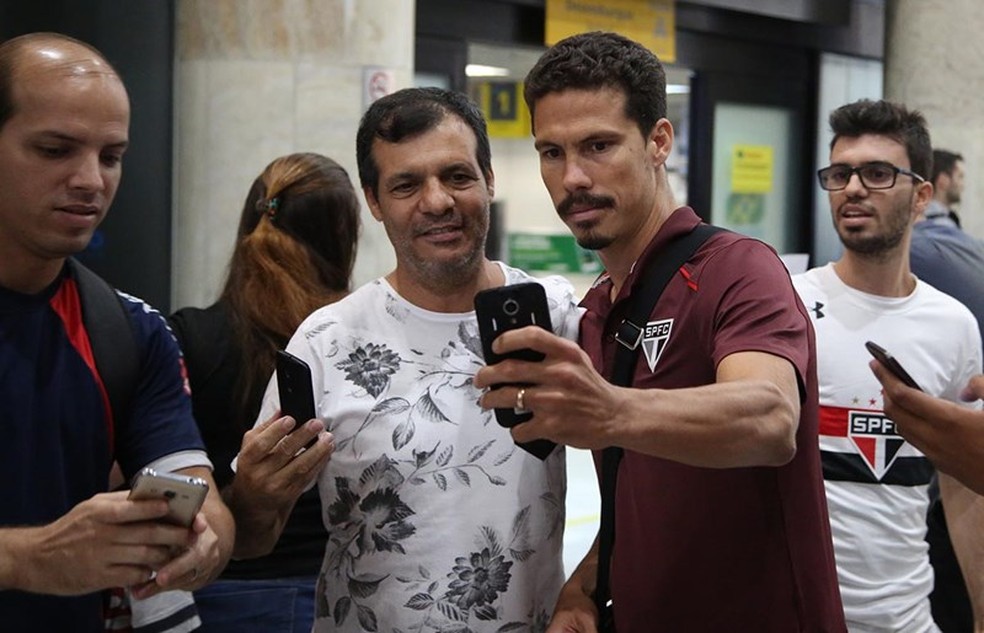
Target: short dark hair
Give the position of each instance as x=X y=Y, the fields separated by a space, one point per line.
x=943 y=163
x=885 y=118
x=599 y=59
x=10 y=53
x=408 y=113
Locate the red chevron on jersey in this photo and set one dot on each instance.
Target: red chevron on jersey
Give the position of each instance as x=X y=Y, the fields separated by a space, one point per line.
x=872 y=433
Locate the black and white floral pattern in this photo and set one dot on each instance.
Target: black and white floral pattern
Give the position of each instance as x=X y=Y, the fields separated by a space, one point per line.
x=437 y=521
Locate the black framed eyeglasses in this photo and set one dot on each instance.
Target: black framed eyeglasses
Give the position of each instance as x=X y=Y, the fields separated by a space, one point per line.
x=872 y=175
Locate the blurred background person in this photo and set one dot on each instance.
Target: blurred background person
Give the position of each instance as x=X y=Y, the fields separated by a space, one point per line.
x=948 y=186
x=941 y=253
x=294 y=253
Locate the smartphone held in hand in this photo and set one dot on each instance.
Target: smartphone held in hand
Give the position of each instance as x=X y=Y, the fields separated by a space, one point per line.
x=891 y=364
x=184 y=494
x=296 y=390
x=509 y=308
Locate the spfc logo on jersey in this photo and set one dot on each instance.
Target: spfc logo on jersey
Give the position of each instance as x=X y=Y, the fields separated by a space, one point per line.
x=876 y=438
x=655 y=336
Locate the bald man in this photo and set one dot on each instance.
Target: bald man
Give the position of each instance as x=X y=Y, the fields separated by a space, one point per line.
x=64 y=119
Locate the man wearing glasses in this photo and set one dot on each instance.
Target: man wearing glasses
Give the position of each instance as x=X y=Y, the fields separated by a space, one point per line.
x=877 y=483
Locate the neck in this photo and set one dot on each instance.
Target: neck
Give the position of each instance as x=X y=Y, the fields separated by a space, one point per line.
x=29 y=277
x=435 y=297
x=886 y=275
x=621 y=256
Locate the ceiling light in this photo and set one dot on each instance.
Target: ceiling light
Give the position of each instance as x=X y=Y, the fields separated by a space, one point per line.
x=480 y=70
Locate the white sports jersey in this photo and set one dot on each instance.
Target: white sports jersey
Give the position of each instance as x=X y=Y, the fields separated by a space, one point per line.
x=436 y=520
x=876 y=481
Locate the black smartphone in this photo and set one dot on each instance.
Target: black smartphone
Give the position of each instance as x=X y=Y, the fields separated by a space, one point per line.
x=296 y=390
x=891 y=364
x=509 y=308
x=185 y=495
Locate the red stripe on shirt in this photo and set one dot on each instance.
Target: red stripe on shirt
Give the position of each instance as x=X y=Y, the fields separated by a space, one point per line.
x=833 y=420
x=68 y=307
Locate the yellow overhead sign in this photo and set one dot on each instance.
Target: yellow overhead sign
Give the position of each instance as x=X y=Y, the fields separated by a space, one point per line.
x=505 y=110
x=649 y=22
x=751 y=168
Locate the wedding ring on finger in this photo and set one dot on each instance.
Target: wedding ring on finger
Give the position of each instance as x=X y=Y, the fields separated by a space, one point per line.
x=520 y=402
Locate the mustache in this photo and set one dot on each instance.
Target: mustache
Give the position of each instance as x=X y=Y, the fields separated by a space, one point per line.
x=860 y=203
x=451 y=219
x=585 y=199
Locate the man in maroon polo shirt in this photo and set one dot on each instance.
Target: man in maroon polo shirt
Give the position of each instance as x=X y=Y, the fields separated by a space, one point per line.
x=721 y=519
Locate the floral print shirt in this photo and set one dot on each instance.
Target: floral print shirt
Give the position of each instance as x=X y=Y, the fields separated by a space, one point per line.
x=437 y=521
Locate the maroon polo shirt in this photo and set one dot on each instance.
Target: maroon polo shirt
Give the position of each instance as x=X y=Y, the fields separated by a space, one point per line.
x=730 y=549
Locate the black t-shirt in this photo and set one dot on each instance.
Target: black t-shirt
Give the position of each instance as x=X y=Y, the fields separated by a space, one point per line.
x=214 y=361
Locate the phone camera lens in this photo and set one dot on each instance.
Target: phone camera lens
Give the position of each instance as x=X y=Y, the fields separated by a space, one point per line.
x=170 y=494
x=510 y=307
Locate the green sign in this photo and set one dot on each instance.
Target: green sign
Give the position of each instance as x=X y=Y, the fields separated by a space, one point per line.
x=551 y=253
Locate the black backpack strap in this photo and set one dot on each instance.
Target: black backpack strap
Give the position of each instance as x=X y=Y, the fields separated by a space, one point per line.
x=113 y=341
x=629 y=336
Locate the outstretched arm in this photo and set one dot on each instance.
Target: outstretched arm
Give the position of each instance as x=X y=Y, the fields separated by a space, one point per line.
x=752 y=408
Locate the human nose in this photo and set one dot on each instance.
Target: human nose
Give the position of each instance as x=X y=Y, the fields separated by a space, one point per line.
x=855 y=186
x=435 y=198
x=575 y=177
x=88 y=174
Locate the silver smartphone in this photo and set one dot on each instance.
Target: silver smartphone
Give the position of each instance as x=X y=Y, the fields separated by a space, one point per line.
x=184 y=494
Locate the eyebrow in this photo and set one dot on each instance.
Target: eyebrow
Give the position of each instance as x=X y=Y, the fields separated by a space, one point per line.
x=444 y=171
x=62 y=136
x=606 y=135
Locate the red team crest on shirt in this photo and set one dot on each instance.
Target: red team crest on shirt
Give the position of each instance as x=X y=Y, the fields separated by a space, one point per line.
x=876 y=439
x=655 y=336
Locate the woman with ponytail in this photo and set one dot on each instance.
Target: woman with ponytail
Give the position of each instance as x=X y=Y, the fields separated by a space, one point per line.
x=294 y=253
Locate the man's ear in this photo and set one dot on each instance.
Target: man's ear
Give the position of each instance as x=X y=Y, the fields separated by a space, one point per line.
x=921 y=197
x=373 y=203
x=660 y=142
x=490 y=182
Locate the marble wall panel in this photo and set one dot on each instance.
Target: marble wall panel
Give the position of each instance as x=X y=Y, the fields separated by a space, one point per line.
x=935 y=63
x=256 y=79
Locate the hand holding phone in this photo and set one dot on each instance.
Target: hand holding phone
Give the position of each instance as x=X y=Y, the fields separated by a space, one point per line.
x=185 y=495
x=296 y=390
x=508 y=308
x=891 y=364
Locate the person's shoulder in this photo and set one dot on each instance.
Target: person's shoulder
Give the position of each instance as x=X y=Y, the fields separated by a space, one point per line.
x=192 y=319
x=554 y=285
x=729 y=258
x=201 y=332
x=940 y=302
x=149 y=326
x=351 y=308
x=725 y=246
x=140 y=309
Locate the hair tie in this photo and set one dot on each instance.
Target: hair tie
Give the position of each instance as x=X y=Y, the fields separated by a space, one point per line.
x=271 y=206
